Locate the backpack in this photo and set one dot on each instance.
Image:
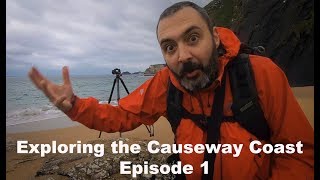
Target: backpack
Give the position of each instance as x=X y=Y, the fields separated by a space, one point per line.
x=245 y=107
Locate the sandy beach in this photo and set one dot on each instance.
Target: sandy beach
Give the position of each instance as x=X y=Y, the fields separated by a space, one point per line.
x=21 y=166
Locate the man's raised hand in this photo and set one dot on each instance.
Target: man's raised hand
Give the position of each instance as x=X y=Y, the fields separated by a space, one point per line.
x=59 y=95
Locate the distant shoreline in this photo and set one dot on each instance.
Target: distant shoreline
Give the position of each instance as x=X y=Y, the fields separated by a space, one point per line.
x=149 y=74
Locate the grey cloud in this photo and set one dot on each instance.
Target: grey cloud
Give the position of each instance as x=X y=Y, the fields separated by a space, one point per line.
x=89 y=36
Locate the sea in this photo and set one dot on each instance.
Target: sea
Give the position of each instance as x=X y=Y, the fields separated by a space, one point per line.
x=25 y=103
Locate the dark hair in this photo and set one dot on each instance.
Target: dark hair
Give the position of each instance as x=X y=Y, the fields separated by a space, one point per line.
x=180 y=5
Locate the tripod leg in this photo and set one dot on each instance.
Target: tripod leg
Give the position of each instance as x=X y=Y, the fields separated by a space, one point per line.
x=118 y=90
x=118 y=96
x=114 y=82
x=124 y=85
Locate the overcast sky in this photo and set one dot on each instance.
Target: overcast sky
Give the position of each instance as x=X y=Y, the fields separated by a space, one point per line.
x=90 y=36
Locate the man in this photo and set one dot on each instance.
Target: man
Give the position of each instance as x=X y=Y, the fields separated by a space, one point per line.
x=191 y=47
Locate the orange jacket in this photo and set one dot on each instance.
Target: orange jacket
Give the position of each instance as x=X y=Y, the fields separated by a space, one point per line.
x=283 y=113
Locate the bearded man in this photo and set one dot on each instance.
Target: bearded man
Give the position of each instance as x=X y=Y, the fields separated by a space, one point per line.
x=196 y=54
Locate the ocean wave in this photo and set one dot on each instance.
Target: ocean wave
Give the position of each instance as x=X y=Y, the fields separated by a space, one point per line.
x=32 y=114
x=113 y=102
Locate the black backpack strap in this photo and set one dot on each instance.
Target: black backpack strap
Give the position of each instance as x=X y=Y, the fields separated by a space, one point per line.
x=175 y=110
x=246 y=108
x=174 y=106
x=199 y=119
x=213 y=133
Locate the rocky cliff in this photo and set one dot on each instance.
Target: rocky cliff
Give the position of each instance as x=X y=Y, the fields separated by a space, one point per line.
x=285 y=28
x=154 y=69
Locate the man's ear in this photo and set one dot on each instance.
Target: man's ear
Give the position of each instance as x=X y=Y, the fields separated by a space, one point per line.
x=216 y=37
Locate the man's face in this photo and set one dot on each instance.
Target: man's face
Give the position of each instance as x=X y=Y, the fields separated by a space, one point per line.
x=189 y=48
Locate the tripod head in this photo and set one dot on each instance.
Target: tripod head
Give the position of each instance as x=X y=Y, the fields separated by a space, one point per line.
x=117 y=72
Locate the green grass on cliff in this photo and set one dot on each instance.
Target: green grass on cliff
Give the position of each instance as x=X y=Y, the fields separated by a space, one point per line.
x=223 y=15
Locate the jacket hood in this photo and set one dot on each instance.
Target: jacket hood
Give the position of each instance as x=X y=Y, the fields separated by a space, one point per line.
x=230 y=42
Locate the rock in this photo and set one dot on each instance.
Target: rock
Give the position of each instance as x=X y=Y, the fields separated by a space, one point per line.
x=81 y=166
x=126 y=73
x=89 y=172
x=102 y=174
x=94 y=166
x=147 y=176
x=153 y=69
x=138 y=73
x=83 y=170
x=52 y=165
x=11 y=145
x=285 y=28
x=101 y=163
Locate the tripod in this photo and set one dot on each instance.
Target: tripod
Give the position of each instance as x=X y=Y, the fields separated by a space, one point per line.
x=117 y=72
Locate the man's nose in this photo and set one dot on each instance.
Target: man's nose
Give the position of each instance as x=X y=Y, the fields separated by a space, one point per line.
x=184 y=54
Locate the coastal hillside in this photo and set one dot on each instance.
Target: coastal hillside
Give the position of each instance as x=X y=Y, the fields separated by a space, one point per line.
x=153 y=69
x=285 y=28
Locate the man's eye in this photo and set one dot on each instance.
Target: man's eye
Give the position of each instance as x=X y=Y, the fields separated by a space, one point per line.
x=193 y=39
x=169 y=48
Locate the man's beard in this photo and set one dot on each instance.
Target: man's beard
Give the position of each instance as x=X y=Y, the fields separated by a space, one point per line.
x=208 y=75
